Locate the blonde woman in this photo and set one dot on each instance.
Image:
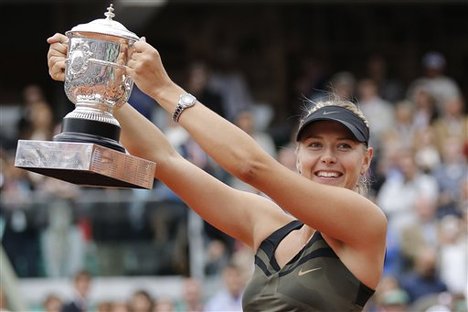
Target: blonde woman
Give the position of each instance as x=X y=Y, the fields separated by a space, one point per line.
x=319 y=244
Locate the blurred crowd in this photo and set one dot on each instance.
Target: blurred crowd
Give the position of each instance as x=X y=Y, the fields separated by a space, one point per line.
x=418 y=178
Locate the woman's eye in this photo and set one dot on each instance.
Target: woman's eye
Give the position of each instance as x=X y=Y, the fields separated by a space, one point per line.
x=344 y=146
x=314 y=144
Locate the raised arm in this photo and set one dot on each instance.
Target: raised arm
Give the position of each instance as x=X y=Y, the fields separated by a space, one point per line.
x=334 y=211
x=234 y=212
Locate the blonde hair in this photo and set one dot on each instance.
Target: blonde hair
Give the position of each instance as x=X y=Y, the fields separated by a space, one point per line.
x=364 y=180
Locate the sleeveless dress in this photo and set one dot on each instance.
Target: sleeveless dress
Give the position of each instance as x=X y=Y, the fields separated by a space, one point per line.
x=314 y=280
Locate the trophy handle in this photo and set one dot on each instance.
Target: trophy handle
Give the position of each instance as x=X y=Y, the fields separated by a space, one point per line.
x=128 y=85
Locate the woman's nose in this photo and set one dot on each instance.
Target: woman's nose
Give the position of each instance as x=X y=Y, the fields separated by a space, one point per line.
x=328 y=157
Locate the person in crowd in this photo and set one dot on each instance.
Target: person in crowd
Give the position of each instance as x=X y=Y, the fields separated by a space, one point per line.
x=424 y=279
x=198 y=77
x=229 y=82
x=3 y=301
x=395 y=300
x=314 y=233
x=192 y=296
x=453 y=254
x=434 y=79
x=422 y=231
x=425 y=110
x=81 y=288
x=378 y=112
x=343 y=84
x=451 y=123
x=450 y=174
x=52 y=303
x=229 y=296
x=141 y=301
x=389 y=88
x=165 y=304
x=402 y=187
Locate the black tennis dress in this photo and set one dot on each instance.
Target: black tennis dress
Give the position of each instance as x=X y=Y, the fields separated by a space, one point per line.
x=314 y=280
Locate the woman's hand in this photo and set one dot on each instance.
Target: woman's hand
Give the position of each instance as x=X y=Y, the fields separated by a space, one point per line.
x=145 y=67
x=56 y=56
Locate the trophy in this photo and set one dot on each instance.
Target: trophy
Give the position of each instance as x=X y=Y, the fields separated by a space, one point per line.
x=87 y=151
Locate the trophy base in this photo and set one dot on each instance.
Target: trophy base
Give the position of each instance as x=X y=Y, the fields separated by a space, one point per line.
x=85 y=164
x=90 y=131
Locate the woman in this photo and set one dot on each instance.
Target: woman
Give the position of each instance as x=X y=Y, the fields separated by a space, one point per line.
x=327 y=252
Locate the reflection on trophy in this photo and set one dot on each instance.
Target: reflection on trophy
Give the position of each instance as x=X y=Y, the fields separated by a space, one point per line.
x=87 y=151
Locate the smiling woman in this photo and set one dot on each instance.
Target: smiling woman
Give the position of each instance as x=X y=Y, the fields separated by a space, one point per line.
x=315 y=257
x=346 y=130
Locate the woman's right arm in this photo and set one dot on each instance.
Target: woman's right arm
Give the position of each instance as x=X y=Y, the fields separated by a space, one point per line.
x=231 y=211
x=234 y=212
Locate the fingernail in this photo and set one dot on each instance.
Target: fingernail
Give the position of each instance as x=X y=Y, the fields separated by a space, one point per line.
x=143 y=39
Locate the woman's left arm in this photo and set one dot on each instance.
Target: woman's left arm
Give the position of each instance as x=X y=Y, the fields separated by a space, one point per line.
x=338 y=212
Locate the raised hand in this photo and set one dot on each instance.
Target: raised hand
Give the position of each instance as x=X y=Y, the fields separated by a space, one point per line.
x=144 y=66
x=56 y=56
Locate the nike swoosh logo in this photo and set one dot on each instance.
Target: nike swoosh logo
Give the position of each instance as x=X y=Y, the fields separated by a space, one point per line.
x=307 y=271
x=329 y=113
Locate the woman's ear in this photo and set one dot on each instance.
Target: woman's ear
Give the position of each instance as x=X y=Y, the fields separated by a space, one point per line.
x=367 y=160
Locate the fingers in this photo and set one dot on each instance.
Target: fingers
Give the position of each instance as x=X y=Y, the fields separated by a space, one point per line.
x=57 y=68
x=56 y=56
x=57 y=38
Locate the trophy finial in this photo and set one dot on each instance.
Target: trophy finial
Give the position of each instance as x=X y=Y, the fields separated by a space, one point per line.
x=110 y=12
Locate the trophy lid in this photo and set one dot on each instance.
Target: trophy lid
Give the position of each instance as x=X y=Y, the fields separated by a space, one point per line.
x=105 y=26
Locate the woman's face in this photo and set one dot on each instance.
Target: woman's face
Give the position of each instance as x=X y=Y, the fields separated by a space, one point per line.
x=329 y=154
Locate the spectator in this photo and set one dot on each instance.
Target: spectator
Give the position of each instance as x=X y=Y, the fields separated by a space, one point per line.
x=423 y=231
x=3 y=301
x=229 y=297
x=427 y=155
x=399 y=192
x=451 y=123
x=450 y=175
x=343 y=84
x=191 y=300
x=425 y=111
x=454 y=254
x=379 y=112
x=403 y=131
x=423 y=280
x=199 y=74
x=389 y=89
x=165 y=304
x=434 y=80
x=21 y=230
x=395 y=300
x=141 y=301
x=230 y=83
x=52 y=303
x=81 y=289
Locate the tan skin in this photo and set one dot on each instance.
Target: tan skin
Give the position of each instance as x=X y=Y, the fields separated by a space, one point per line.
x=322 y=196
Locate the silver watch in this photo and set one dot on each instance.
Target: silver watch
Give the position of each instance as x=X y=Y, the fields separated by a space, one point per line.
x=186 y=100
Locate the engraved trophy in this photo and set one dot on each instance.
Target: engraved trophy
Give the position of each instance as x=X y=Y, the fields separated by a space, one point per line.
x=87 y=151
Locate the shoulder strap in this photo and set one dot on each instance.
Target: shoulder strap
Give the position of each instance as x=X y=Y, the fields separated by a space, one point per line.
x=271 y=242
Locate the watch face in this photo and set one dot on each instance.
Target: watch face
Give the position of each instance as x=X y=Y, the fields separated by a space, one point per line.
x=187 y=99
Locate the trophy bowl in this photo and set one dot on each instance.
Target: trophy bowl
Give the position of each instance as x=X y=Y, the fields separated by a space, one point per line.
x=87 y=151
x=95 y=81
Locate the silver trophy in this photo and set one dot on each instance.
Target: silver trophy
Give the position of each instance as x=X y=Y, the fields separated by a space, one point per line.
x=87 y=151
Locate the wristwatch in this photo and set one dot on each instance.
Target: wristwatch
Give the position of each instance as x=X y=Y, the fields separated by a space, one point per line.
x=186 y=100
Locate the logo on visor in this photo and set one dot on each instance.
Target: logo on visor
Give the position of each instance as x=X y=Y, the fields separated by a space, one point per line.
x=329 y=112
